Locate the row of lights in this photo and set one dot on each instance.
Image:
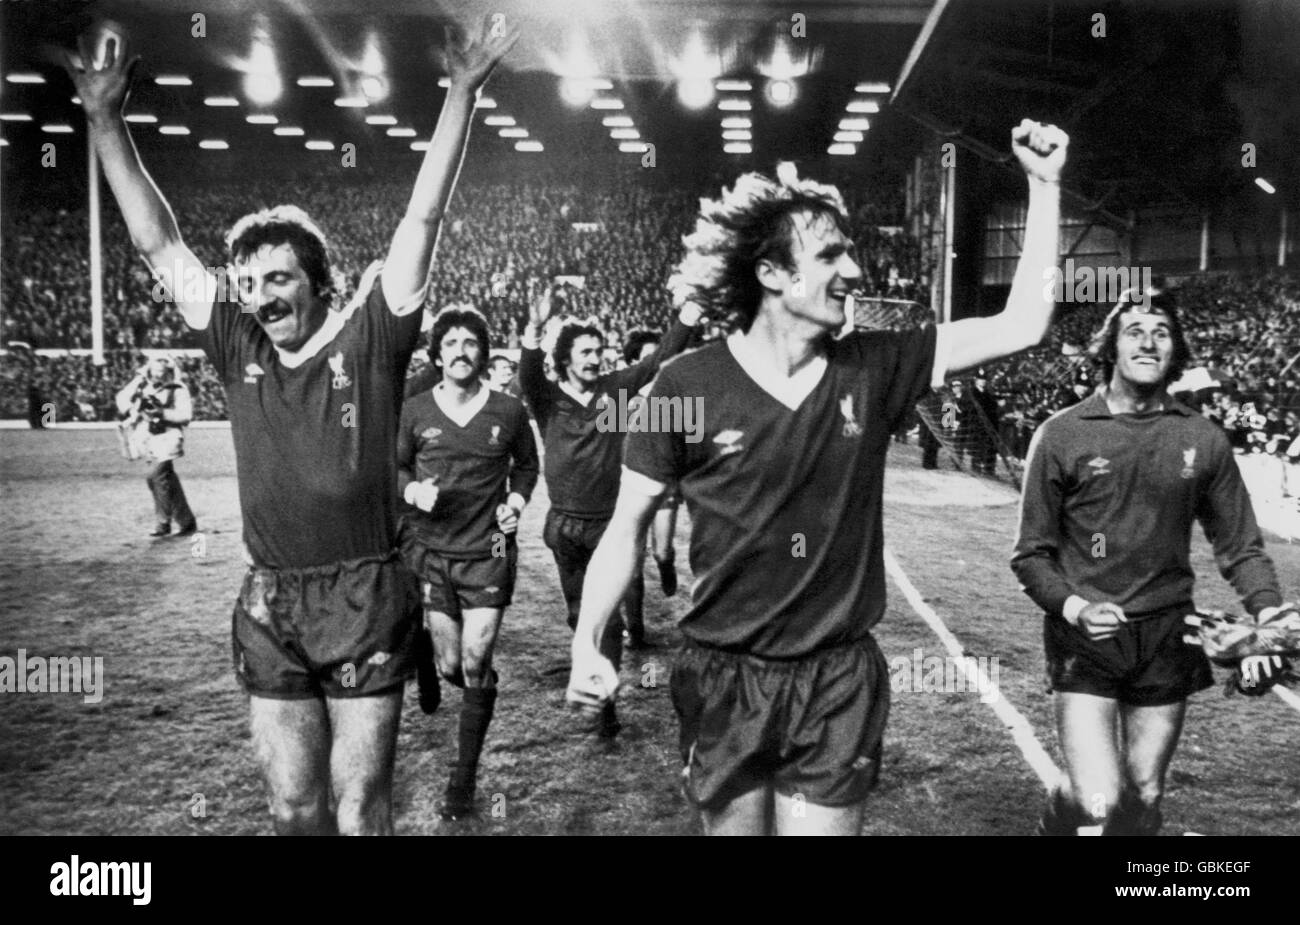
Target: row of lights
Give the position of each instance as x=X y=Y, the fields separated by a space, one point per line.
x=508 y=128
x=854 y=124
x=622 y=127
x=737 y=126
x=737 y=129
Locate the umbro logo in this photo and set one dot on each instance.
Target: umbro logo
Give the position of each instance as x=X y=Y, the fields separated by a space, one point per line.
x=1098 y=465
x=431 y=433
x=729 y=441
x=253 y=373
x=495 y=440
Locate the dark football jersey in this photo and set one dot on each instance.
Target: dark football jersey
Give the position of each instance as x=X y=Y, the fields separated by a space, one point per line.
x=786 y=535
x=315 y=446
x=583 y=460
x=475 y=467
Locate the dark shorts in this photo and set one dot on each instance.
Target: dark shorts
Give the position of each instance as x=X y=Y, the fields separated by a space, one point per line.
x=573 y=537
x=451 y=585
x=811 y=726
x=572 y=540
x=342 y=630
x=1146 y=664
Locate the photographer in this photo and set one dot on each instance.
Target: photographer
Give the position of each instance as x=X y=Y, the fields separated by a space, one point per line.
x=155 y=408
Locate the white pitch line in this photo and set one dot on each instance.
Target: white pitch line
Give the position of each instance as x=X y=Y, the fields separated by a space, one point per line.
x=1021 y=731
x=1288 y=697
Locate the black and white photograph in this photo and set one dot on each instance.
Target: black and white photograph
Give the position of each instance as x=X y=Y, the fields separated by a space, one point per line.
x=652 y=417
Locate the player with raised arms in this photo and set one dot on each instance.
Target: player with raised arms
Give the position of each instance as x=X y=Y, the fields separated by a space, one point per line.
x=781 y=691
x=324 y=622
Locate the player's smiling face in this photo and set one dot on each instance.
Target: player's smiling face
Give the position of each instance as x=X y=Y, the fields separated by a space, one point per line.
x=824 y=272
x=275 y=288
x=1144 y=349
x=584 y=359
x=461 y=356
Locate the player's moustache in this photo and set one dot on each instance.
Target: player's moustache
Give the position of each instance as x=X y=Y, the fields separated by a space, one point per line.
x=272 y=309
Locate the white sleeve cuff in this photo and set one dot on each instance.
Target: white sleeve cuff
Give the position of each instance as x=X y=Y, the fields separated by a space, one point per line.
x=413 y=302
x=942 y=353
x=516 y=501
x=642 y=484
x=531 y=339
x=1073 y=605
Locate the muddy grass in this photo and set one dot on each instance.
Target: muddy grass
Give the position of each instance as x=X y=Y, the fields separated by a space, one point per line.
x=81 y=578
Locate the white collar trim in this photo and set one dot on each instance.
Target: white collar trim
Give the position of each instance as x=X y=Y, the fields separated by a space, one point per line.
x=788 y=390
x=461 y=415
x=579 y=397
x=326 y=333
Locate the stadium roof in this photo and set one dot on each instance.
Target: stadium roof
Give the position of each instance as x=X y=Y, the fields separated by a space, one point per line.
x=1158 y=107
x=641 y=49
x=1159 y=98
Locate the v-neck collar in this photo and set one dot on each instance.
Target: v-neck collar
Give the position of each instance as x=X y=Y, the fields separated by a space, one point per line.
x=581 y=398
x=790 y=391
x=324 y=335
x=461 y=415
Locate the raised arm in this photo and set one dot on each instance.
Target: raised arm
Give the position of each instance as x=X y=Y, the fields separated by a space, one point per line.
x=411 y=252
x=676 y=339
x=154 y=232
x=532 y=365
x=1028 y=312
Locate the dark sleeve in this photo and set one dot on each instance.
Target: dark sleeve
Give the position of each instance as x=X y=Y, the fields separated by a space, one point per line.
x=1038 y=542
x=405 y=450
x=532 y=383
x=221 y=339
x=661 y=456
x=397 y=335
x=906 y=359
x=1228 y=519
x=524 y=465
x=635 y=377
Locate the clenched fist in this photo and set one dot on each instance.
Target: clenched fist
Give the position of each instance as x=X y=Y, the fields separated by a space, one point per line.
x=423 y=495
x=1040 y=150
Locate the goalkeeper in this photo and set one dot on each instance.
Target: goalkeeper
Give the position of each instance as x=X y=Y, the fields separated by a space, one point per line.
x=1111 y=492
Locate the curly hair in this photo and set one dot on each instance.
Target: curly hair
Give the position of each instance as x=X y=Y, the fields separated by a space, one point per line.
x=285 y=225
x=751 y=222
x=460 y=316
x=1103 y=348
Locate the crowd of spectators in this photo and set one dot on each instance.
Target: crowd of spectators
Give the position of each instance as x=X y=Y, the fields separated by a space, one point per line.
x=1244 y=332
x=506 y=238
x=503 y=241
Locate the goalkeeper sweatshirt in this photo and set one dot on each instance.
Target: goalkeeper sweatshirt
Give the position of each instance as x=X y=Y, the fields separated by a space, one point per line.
x=1108 y=508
